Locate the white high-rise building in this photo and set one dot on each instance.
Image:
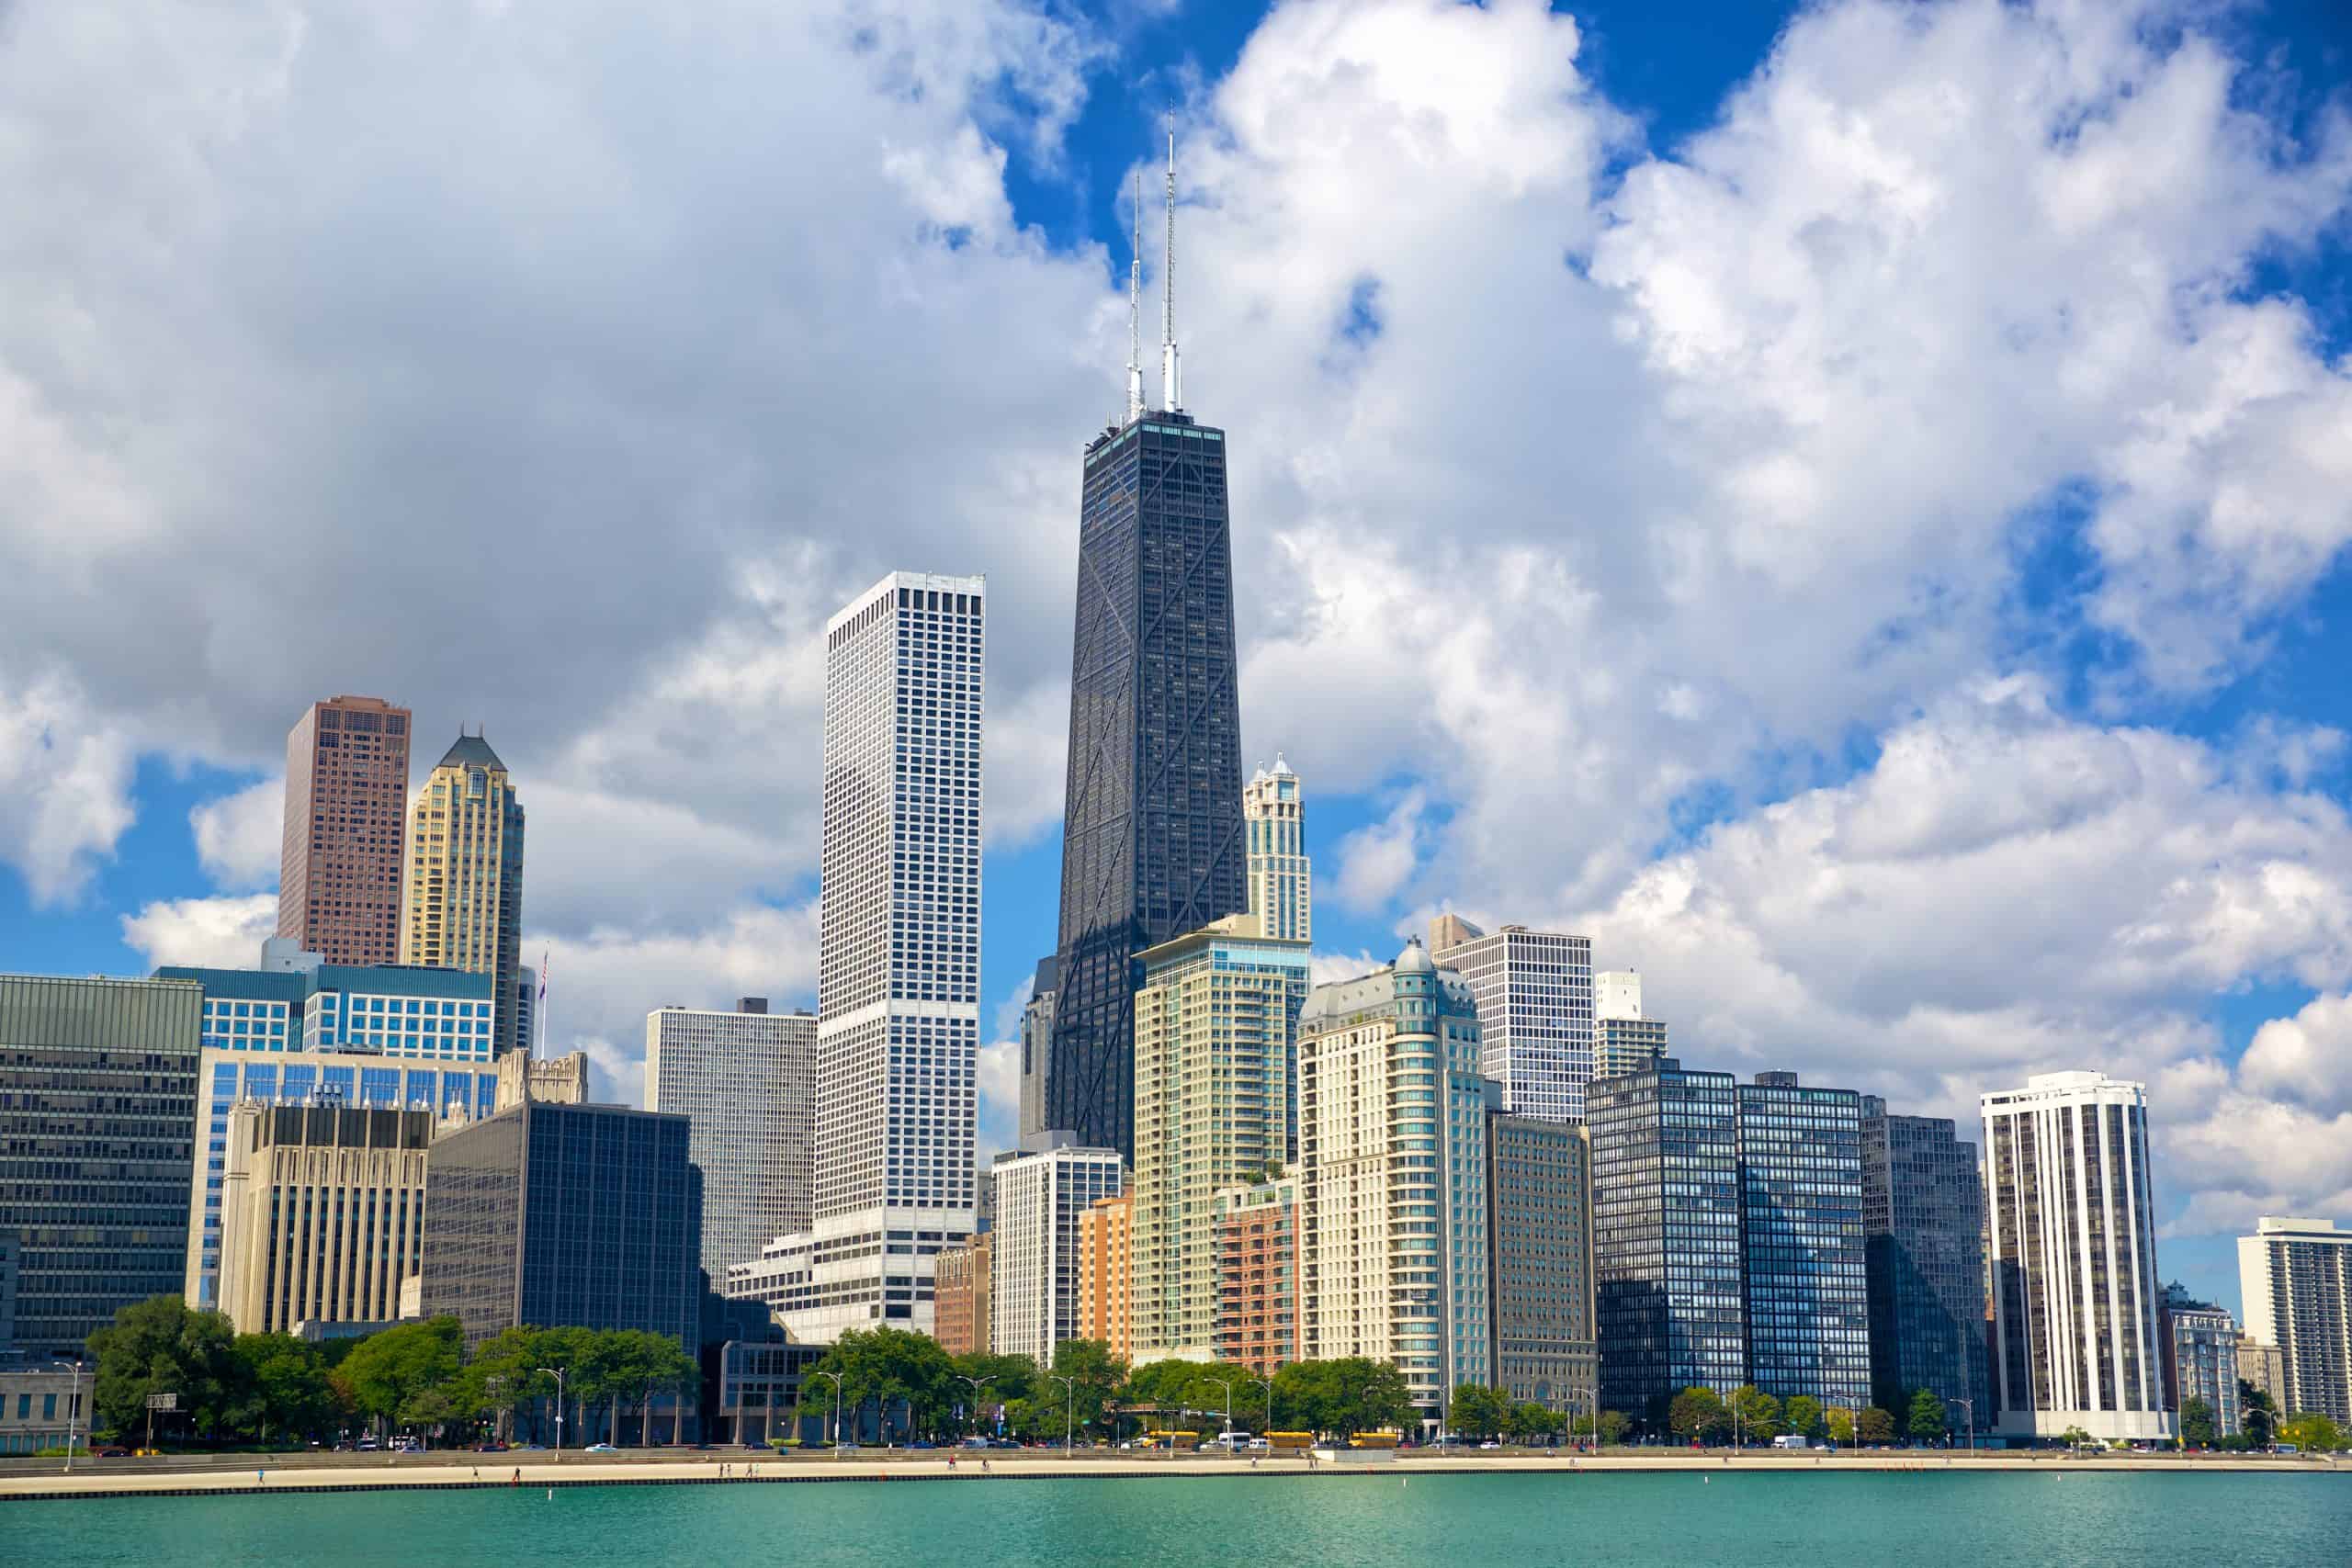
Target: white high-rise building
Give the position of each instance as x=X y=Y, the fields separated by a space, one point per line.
x=898 y=965
x=746 y=1082
x=2296 y=1276
x=1032 y=1246
x=1624 y=1039
x=2078 y=1330
x=1534 y=995
x=1281 y=890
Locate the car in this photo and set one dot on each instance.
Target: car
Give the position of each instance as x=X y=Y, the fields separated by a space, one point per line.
x=492 y=1447
x=114 y=1450
x=602 y=1449
x=367 y=1445
x=913 y=1446
x=1490 y=1443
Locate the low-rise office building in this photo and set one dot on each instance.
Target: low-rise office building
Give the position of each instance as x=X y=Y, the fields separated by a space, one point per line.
x=1034 y=1249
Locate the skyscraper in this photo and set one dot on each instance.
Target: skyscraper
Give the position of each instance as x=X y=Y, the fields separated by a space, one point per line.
x=1625 y=1039
x=1281 y=889
x=1152 y=843
x=464 y=906
x=1392 y=1162
x=1539 y=1239
x=899 y=954
x=2297 y=1276
x=1534 y=995
x=99 y=1079
x=1034 y=1255
x=2202 y=1359
x=2076 y=1319
x=1923 y=1215
x=1038 y=1045
x=746 y=1082
x=1802 y=1276
x=323 y=1216
x=1667 y=1237
x=1261 y=1314
x=1216 y=1019
x=339 y=860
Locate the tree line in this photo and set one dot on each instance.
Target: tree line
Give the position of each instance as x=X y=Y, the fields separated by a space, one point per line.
x=273 y=1389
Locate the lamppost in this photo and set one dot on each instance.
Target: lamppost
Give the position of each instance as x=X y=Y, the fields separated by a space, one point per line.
x=1268 y=1384
x=975 y=1383
x=1227 y=1384
x=1969 y=1406
x=559 y=1373
x=72 y=1409
x=837 y=1407
x=1069 y=1412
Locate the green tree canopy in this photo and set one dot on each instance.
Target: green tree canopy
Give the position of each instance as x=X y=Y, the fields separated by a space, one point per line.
x=1348 y=1395
x=1803 y=1415
x=891 y=1368
x=1477 y=1411
x=2312 y=1433
x=1876 y=1426
x=1926 y=1418
x=1614 y=1425
x=159 y=1346
x=1095 y=1375
x=2257 y=1414
x=1758 y=1414
x=1699 y=1413
x=1840 y=1422
x=393 y=1375
x=2197 y=1422
x=286 y=1387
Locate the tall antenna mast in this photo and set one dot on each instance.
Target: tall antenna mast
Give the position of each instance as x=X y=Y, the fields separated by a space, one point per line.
x=1135 y=306
x=1170 y=379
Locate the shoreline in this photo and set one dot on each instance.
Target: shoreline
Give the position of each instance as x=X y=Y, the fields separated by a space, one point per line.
x=704 y=1470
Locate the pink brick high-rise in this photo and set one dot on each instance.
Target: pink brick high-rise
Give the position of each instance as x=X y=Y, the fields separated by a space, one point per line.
x=347 y=807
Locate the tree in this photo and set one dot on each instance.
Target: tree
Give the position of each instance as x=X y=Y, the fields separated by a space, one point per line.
x=408 y=1373
x=1095 y=1375
x=1699 y=1413
x=1530 y=1421
x=1004 y=1378
x=2074 y=1437
x=286 y=1387
x=1875 y=1426
x=895 y=1368
x=1926 y=1421
x=1477 y=1411
x=1614 y=1425
x=1350 y=1394
x=159 y=1346
x=1757 y=1413
x=2258 y=1413
x=1802 y=1415
x=1841 y=1426
x=2195 y=1423
x=2313 y=1432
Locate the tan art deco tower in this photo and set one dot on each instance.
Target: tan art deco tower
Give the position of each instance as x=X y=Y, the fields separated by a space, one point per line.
x=464 y=909
x=339 y=861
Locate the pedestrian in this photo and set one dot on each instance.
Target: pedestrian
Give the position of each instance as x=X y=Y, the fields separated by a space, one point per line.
x=260 y=1476
x=518 y=1475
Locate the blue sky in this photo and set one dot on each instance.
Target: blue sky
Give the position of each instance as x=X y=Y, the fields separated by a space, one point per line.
x=1845 y=505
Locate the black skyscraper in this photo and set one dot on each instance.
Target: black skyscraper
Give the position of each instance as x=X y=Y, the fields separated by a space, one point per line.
x=1151 y=838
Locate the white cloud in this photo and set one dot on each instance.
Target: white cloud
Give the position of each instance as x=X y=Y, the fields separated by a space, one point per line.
x=240 y=837
x=2306 y=1059
x=65 y=786
x=1378 y=859
x=224 y=932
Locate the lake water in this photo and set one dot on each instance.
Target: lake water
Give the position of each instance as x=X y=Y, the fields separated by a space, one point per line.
x=1732 y=1520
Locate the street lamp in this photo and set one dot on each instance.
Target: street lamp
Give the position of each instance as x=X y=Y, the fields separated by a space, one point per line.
x=1069 y=1413
x=837 y=1407
x=1969 y=1406
x=559 y=1373
x=72 y=1409
x=975 y=1383
x=1268 y=1384
x=1227 y=1384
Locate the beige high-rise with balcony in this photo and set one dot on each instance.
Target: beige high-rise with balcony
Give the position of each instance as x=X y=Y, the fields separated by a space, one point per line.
x=464 y=904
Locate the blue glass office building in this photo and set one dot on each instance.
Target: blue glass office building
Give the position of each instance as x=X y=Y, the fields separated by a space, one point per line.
x=398 y=1009
x=1801 y=1239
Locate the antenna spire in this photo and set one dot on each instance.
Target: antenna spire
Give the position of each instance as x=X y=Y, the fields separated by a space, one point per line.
x=1170 y=377
x=1135 y=306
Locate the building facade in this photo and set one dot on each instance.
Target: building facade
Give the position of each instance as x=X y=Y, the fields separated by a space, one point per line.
x=746 y=1083
x=1803 y=1275
x=1624 y=1038
x=961 y=1298
x=587 y=1216
x=463 y=908
x=1152 y=842
x=1667 y=1244
x=347 y=804
x=322 y=1215
x=2262 y=1367
x=1922 y=1218
x=898 y=959
x=98 y=1124
x=295 y=1002
x=1392 y=1168
x=2202 y=1359
x=1215 y=1027
x=43 y=1406
x=228 y=1077
x=1034 y=1252
x=1106 y=1234
x=1281 y=884
x=1261 y=1313
x=1037 y=1046
x=2071 y=1251
x=2297 y=1279
x=1539 y=1239
x=1534 y=995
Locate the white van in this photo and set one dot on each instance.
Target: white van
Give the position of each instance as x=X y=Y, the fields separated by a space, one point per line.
x=1792 y=1440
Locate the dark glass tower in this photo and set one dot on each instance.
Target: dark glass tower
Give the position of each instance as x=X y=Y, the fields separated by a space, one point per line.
x=1152 y=844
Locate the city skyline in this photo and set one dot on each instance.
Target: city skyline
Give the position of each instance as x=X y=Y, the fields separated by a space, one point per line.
x=1846 y=651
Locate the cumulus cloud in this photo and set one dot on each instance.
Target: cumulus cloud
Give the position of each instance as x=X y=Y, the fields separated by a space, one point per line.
x=223 y=933
x=240 y=837
x=64 y=785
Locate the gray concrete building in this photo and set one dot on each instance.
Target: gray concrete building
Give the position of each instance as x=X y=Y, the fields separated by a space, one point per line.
x=1923 y=1217
x=746 y=1082
x=1539 y=1250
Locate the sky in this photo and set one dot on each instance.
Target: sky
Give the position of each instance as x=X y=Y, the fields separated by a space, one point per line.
x=1844 y=506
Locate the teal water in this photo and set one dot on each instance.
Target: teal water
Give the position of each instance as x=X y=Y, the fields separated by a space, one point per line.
x=1466 y=1521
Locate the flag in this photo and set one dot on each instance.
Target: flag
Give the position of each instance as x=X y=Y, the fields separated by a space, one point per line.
x=543 y=974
